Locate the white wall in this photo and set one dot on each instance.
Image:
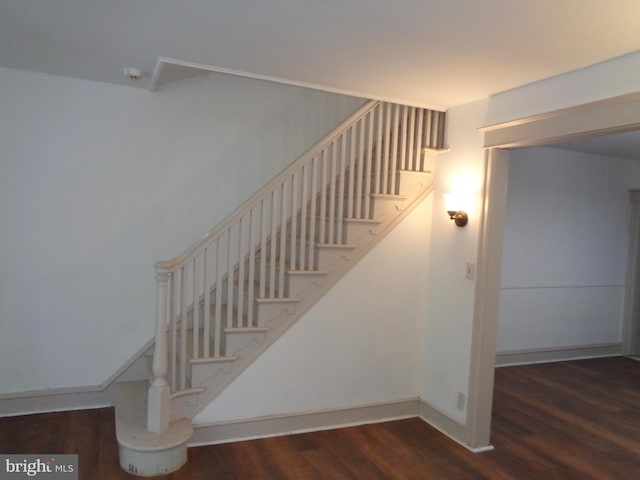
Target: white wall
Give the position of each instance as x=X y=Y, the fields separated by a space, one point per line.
x=361 y=344
x=565 y=245
x=450 y=296
x=97 y=182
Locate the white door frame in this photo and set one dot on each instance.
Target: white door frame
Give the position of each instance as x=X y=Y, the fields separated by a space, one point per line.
x=618 y=114
x=631 y=323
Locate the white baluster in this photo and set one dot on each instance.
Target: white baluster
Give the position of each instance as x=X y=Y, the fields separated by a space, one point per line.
x=183 y=329
x=174 y=313
x=394 y=148
x=303 y=219
x=360 y=175
x=333 y=177
x=263 y=251
x=206 y=313
x=323 y=197
x=368 y=167
x=403 y=139
x=195 y=307
x=352 y=170
x=283 y=238
x=428 y=128
x=229 y=319
x=312 y=212
x=387 y=146
x=412 y=131
x=418 y=162
x=252 y=269
x=378 y=168
x=272 y=258
x=293 y=264
x=341 y=187
x=217 y=316
x=241 y=274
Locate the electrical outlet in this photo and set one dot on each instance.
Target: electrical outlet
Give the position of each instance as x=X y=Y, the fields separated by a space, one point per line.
x=462 y=399
x=470 y=271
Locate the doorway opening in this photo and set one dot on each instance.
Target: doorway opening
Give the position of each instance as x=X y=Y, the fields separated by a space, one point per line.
x=616 y=115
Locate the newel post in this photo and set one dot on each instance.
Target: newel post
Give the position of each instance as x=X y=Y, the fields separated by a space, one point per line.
x=158 y=396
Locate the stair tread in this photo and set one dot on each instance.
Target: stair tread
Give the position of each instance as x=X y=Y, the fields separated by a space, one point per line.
x=349 y=219
x=371 y=221
x=390 y=196
x=308 y=272
x=246 y=329
x=288 y=269
x=278 y=299
x=413 y=172
x=222 y=359
x=130 y=400
x=336 y=245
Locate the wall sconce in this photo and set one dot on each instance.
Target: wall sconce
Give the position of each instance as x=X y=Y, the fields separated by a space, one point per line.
x=453 y=204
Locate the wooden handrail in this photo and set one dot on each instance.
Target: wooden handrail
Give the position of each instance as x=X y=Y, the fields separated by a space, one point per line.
x=254 y=200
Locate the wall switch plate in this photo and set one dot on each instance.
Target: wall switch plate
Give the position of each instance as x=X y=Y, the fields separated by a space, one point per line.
x=470 y=271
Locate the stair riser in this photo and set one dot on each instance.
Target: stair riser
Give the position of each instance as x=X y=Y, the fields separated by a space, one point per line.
x=263 y=311
x=327 y=257
x=295 y=282
x=356 y=232
x=203 y=372
x=270 y=312
x=386 y=208
x=412 y=183
x=236 y=343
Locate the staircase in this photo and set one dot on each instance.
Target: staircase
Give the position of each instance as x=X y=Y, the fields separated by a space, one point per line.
x=226 y=299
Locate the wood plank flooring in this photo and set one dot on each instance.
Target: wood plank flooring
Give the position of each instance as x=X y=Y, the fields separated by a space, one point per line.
x=577 y=420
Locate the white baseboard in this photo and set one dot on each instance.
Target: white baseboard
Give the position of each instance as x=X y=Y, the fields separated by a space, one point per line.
x=75 y=398
x=442 y=422
x=453 y=429
x=55 y=400
x=277 y=425
x=557 y=354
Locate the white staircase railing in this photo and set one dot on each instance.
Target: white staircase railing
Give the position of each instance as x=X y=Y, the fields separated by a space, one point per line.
x=199 y=292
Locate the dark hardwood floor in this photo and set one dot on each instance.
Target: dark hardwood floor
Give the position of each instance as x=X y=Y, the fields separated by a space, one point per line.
x=576 y=420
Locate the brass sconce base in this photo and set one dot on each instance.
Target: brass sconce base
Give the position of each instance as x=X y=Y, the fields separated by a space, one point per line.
x=459 y=217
